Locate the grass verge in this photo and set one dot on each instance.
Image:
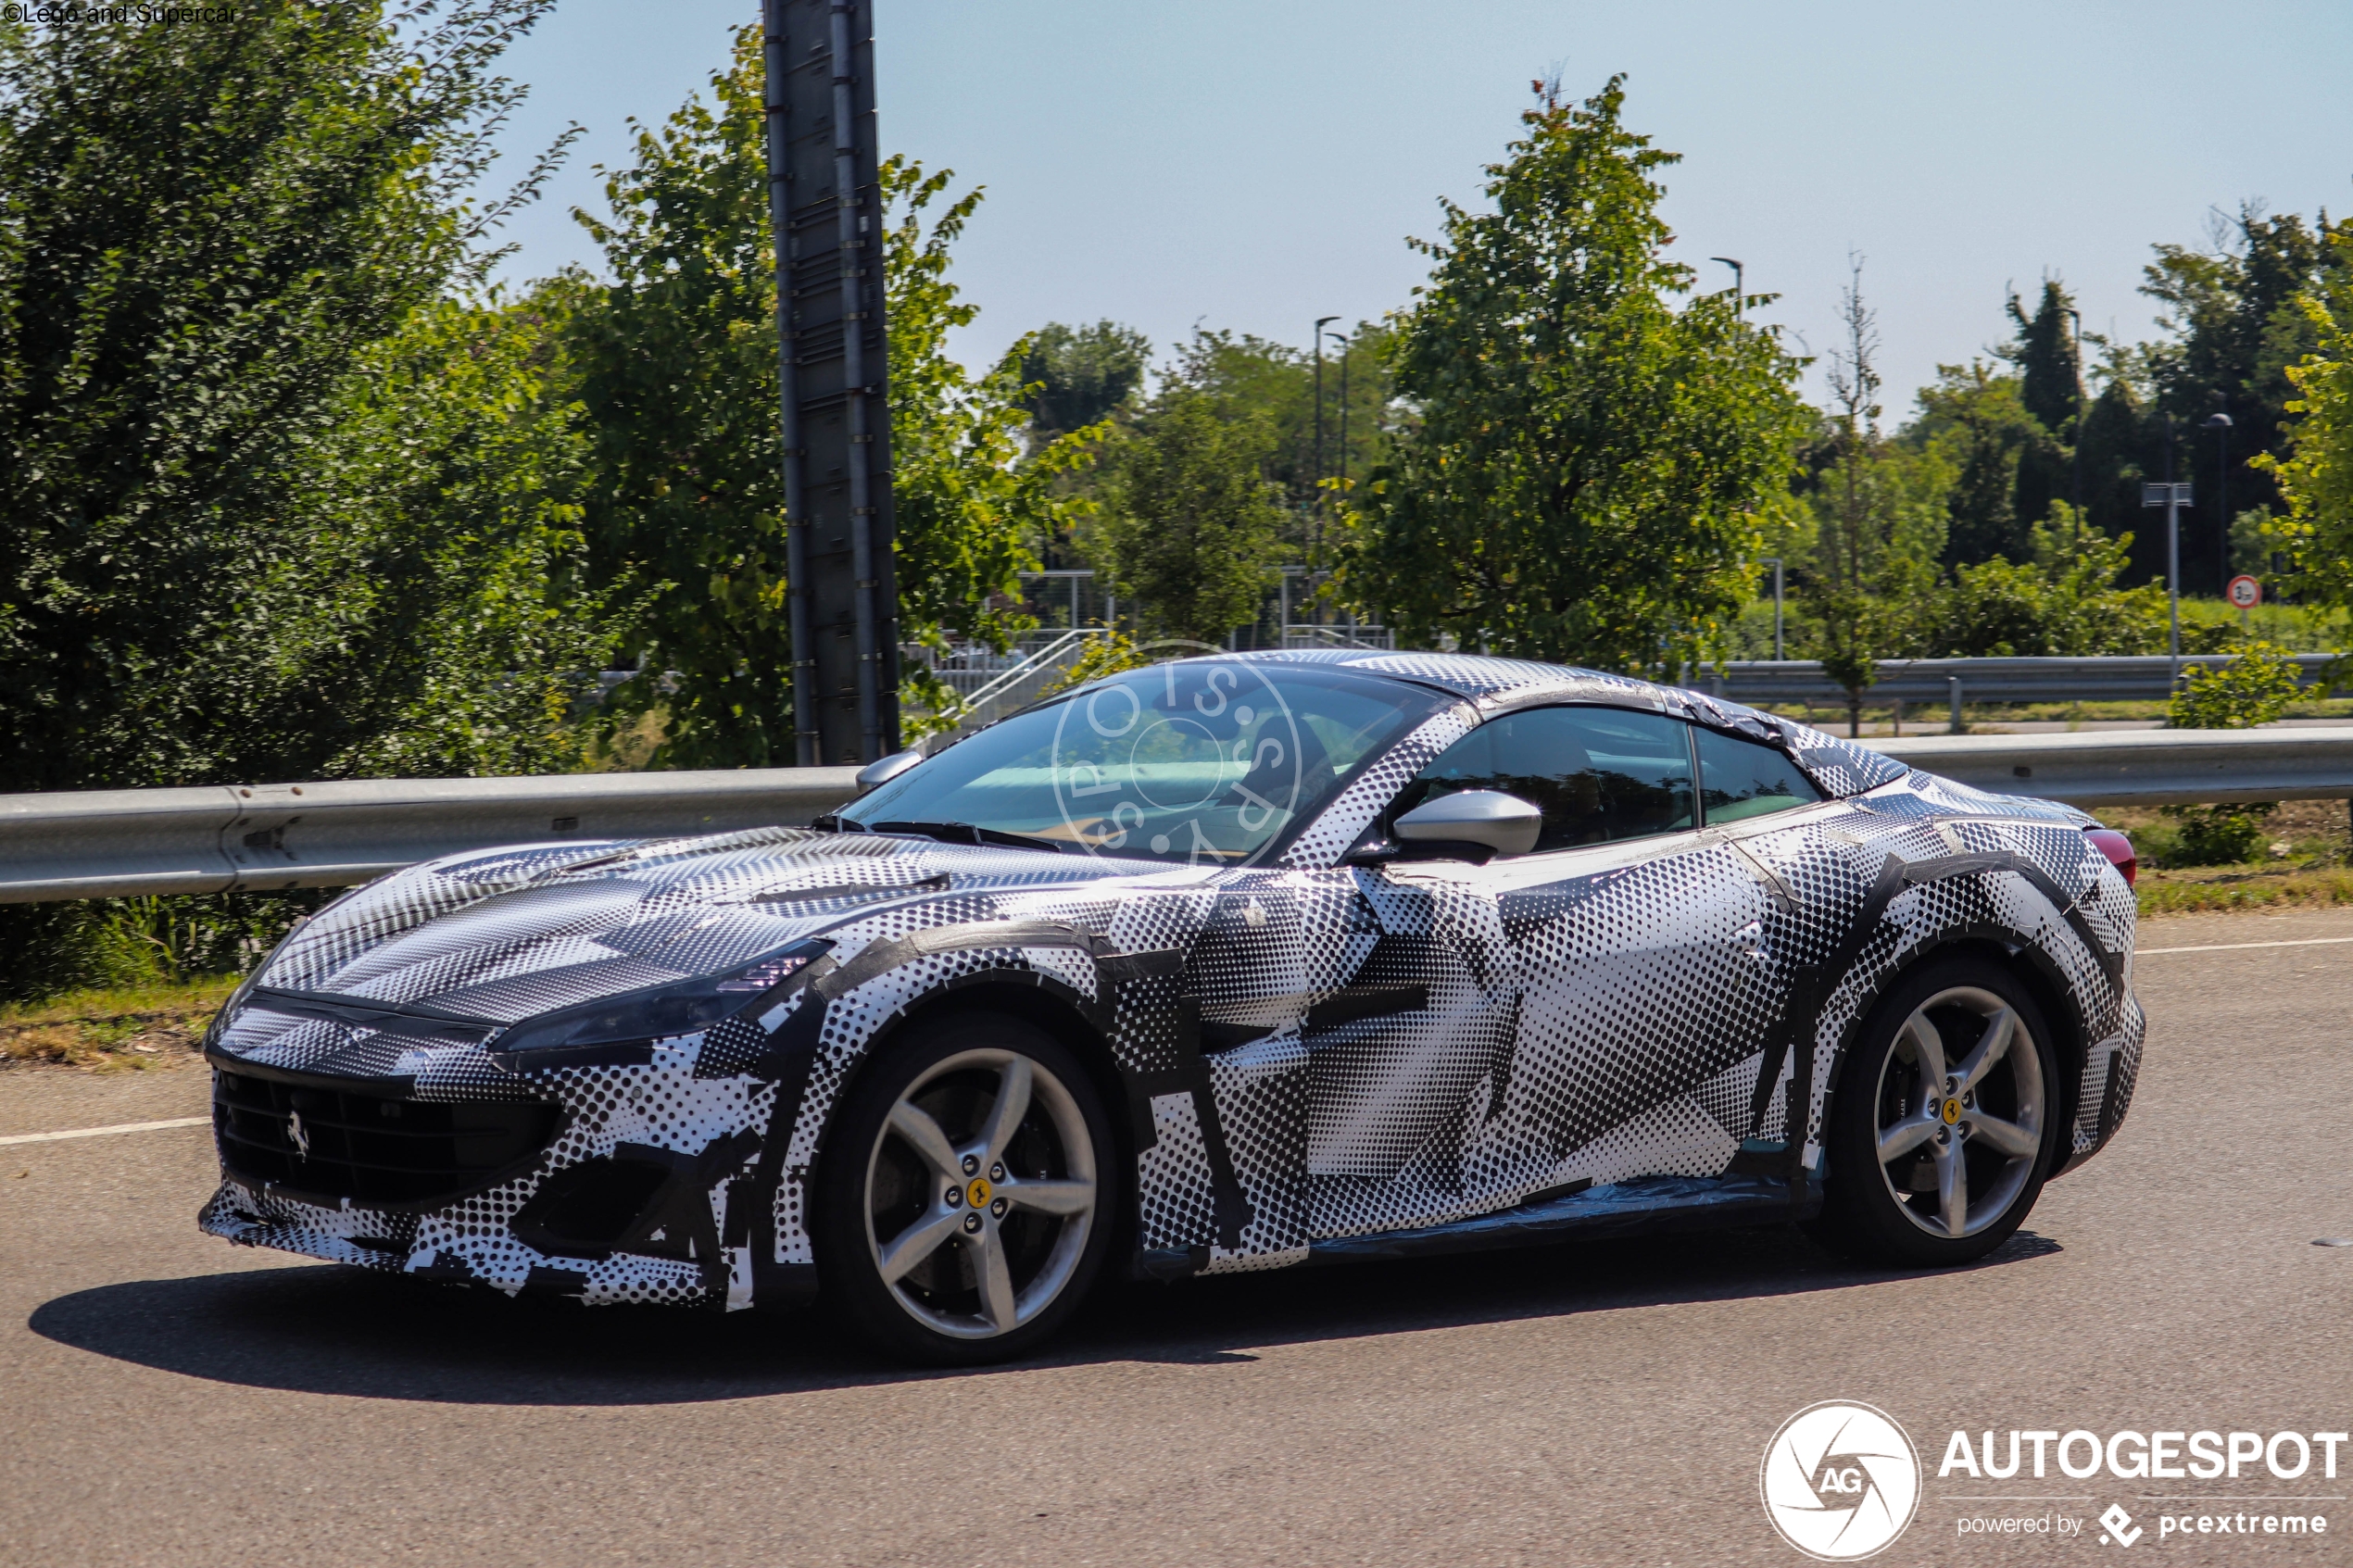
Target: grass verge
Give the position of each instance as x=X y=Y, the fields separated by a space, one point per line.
x=2241 y=888
x=113 y=1030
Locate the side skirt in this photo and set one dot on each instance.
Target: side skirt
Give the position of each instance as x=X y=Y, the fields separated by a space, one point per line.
x=1654 y=1203
x=1646 y=1204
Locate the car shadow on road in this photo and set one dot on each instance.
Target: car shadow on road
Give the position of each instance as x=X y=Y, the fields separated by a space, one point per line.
x=327 y=1329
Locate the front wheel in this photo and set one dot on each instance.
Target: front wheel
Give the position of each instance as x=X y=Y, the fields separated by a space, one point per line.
x=1945 y=1123
x=965 y=1197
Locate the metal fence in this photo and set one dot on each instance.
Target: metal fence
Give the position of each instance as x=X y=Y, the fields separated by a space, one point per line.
x=1956 y=681
x=272 y=836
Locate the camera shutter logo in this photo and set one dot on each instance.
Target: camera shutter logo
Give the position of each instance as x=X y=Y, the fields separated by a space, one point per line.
x=1840 y=1481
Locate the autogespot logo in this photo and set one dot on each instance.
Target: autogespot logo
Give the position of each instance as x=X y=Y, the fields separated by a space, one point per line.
x=1840 y=1481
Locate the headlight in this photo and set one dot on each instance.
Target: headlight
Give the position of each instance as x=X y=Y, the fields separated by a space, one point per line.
x=682 y=1007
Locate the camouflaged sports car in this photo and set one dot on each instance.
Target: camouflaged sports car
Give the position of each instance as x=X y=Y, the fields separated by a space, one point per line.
x=1240 y=963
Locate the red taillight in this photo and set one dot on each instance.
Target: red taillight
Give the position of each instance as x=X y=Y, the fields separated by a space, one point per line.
x=2119 y=850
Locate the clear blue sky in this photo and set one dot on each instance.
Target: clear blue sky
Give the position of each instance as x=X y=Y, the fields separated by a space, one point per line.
x=1254 y=166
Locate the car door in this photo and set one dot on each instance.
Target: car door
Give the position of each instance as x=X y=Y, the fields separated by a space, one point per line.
x=1588 y=1003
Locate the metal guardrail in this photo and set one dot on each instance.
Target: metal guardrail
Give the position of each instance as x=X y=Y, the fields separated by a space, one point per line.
x=225 y=838
x=271 y=836
x=2108 y=679
x=2144 y=767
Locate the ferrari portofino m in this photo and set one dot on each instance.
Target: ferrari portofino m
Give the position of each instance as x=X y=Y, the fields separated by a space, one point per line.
x=1240 y=963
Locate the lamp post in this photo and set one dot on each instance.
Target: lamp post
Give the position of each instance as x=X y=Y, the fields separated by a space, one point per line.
x=2220 y=423
x=1345 y=343
x=2075 y=483
x=1775 y=562
x=2173 y=498
x=1739 y=283
x=1315 y=494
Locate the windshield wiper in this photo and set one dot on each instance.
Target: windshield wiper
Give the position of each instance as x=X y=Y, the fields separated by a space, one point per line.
x=964 y=832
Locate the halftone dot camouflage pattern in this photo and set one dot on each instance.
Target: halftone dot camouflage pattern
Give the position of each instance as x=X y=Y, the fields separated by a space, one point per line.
x=1312 y=1050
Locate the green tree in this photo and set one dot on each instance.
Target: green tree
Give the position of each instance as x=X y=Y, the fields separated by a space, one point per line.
x=684 y=515
x=2237 y=327
x=1580 y=480
x=442 y=503
x=2044 y=350
x=970 y=506
x=1976 y=417
x=1077 y=376
x=2121 y=446
x=1189 y=527
x=2046 y=354
x=1881 y=519
x=207 y=228
x=2315 y=474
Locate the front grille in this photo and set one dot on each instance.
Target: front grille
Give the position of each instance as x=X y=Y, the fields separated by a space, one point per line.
x=370 y=1148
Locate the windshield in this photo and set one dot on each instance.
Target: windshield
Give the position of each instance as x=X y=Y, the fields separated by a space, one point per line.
x=1211 y=761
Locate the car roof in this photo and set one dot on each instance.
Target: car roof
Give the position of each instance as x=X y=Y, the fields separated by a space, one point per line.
x=1482 y=678
x=1494 y=685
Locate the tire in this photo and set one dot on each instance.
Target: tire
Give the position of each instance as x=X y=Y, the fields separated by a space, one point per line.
x=1903 y=1162
x=943 y=1238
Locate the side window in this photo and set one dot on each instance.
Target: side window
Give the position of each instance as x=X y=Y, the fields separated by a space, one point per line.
x=1598 y=773
x=1740 y=777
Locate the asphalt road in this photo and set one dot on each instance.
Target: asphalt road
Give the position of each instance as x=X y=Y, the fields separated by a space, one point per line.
x=167 y=1400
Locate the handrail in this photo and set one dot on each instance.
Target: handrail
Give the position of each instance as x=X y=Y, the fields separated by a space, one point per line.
x=1030 y=665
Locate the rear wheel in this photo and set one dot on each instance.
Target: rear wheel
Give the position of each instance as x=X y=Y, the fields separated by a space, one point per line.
x=1943 y=1126
x=964 y=1200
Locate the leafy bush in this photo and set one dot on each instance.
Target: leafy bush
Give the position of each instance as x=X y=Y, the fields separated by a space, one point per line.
x=2254 y=688
x=49 y=949
x=2064 y=604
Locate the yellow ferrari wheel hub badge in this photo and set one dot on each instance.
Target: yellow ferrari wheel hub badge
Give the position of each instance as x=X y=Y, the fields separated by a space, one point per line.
x=1951 y=1113
x=978 y=1194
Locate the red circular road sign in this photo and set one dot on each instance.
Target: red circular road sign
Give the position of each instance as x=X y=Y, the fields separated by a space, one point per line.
x=2244 y=592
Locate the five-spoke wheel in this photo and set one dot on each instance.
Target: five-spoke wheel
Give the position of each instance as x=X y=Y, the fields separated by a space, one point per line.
x=1942 y=1127
x=965 y=1205
x=1960 y=1112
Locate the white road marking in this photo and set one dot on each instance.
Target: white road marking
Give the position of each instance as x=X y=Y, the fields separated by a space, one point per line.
x=2234 y=946
x=103 y=1131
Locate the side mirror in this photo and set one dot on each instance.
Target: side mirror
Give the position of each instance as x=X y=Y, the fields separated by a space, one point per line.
x=883 y=770
x=1502 y=824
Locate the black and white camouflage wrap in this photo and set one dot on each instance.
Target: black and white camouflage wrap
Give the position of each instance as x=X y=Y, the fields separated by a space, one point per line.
x=1318 y=1059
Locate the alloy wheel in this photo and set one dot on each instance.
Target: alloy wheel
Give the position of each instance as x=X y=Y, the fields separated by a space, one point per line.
x=980 y=1193
x=1961 y=1111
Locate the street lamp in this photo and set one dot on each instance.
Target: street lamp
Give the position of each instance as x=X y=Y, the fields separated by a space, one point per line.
x=1344 y=345
x=1775 y=562
x=1739 y=284
x=2173 y=498
x=2220 y=423
x=1316 y=494
x=2075 y=484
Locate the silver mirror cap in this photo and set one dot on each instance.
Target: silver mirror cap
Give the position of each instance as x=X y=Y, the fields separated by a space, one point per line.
x=1503 y=822
x=883 y=770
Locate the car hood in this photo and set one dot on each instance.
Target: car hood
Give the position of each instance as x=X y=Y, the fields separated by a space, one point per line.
x=503 y=935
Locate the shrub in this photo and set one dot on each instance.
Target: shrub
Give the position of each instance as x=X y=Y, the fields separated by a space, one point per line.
x=2253 y=689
